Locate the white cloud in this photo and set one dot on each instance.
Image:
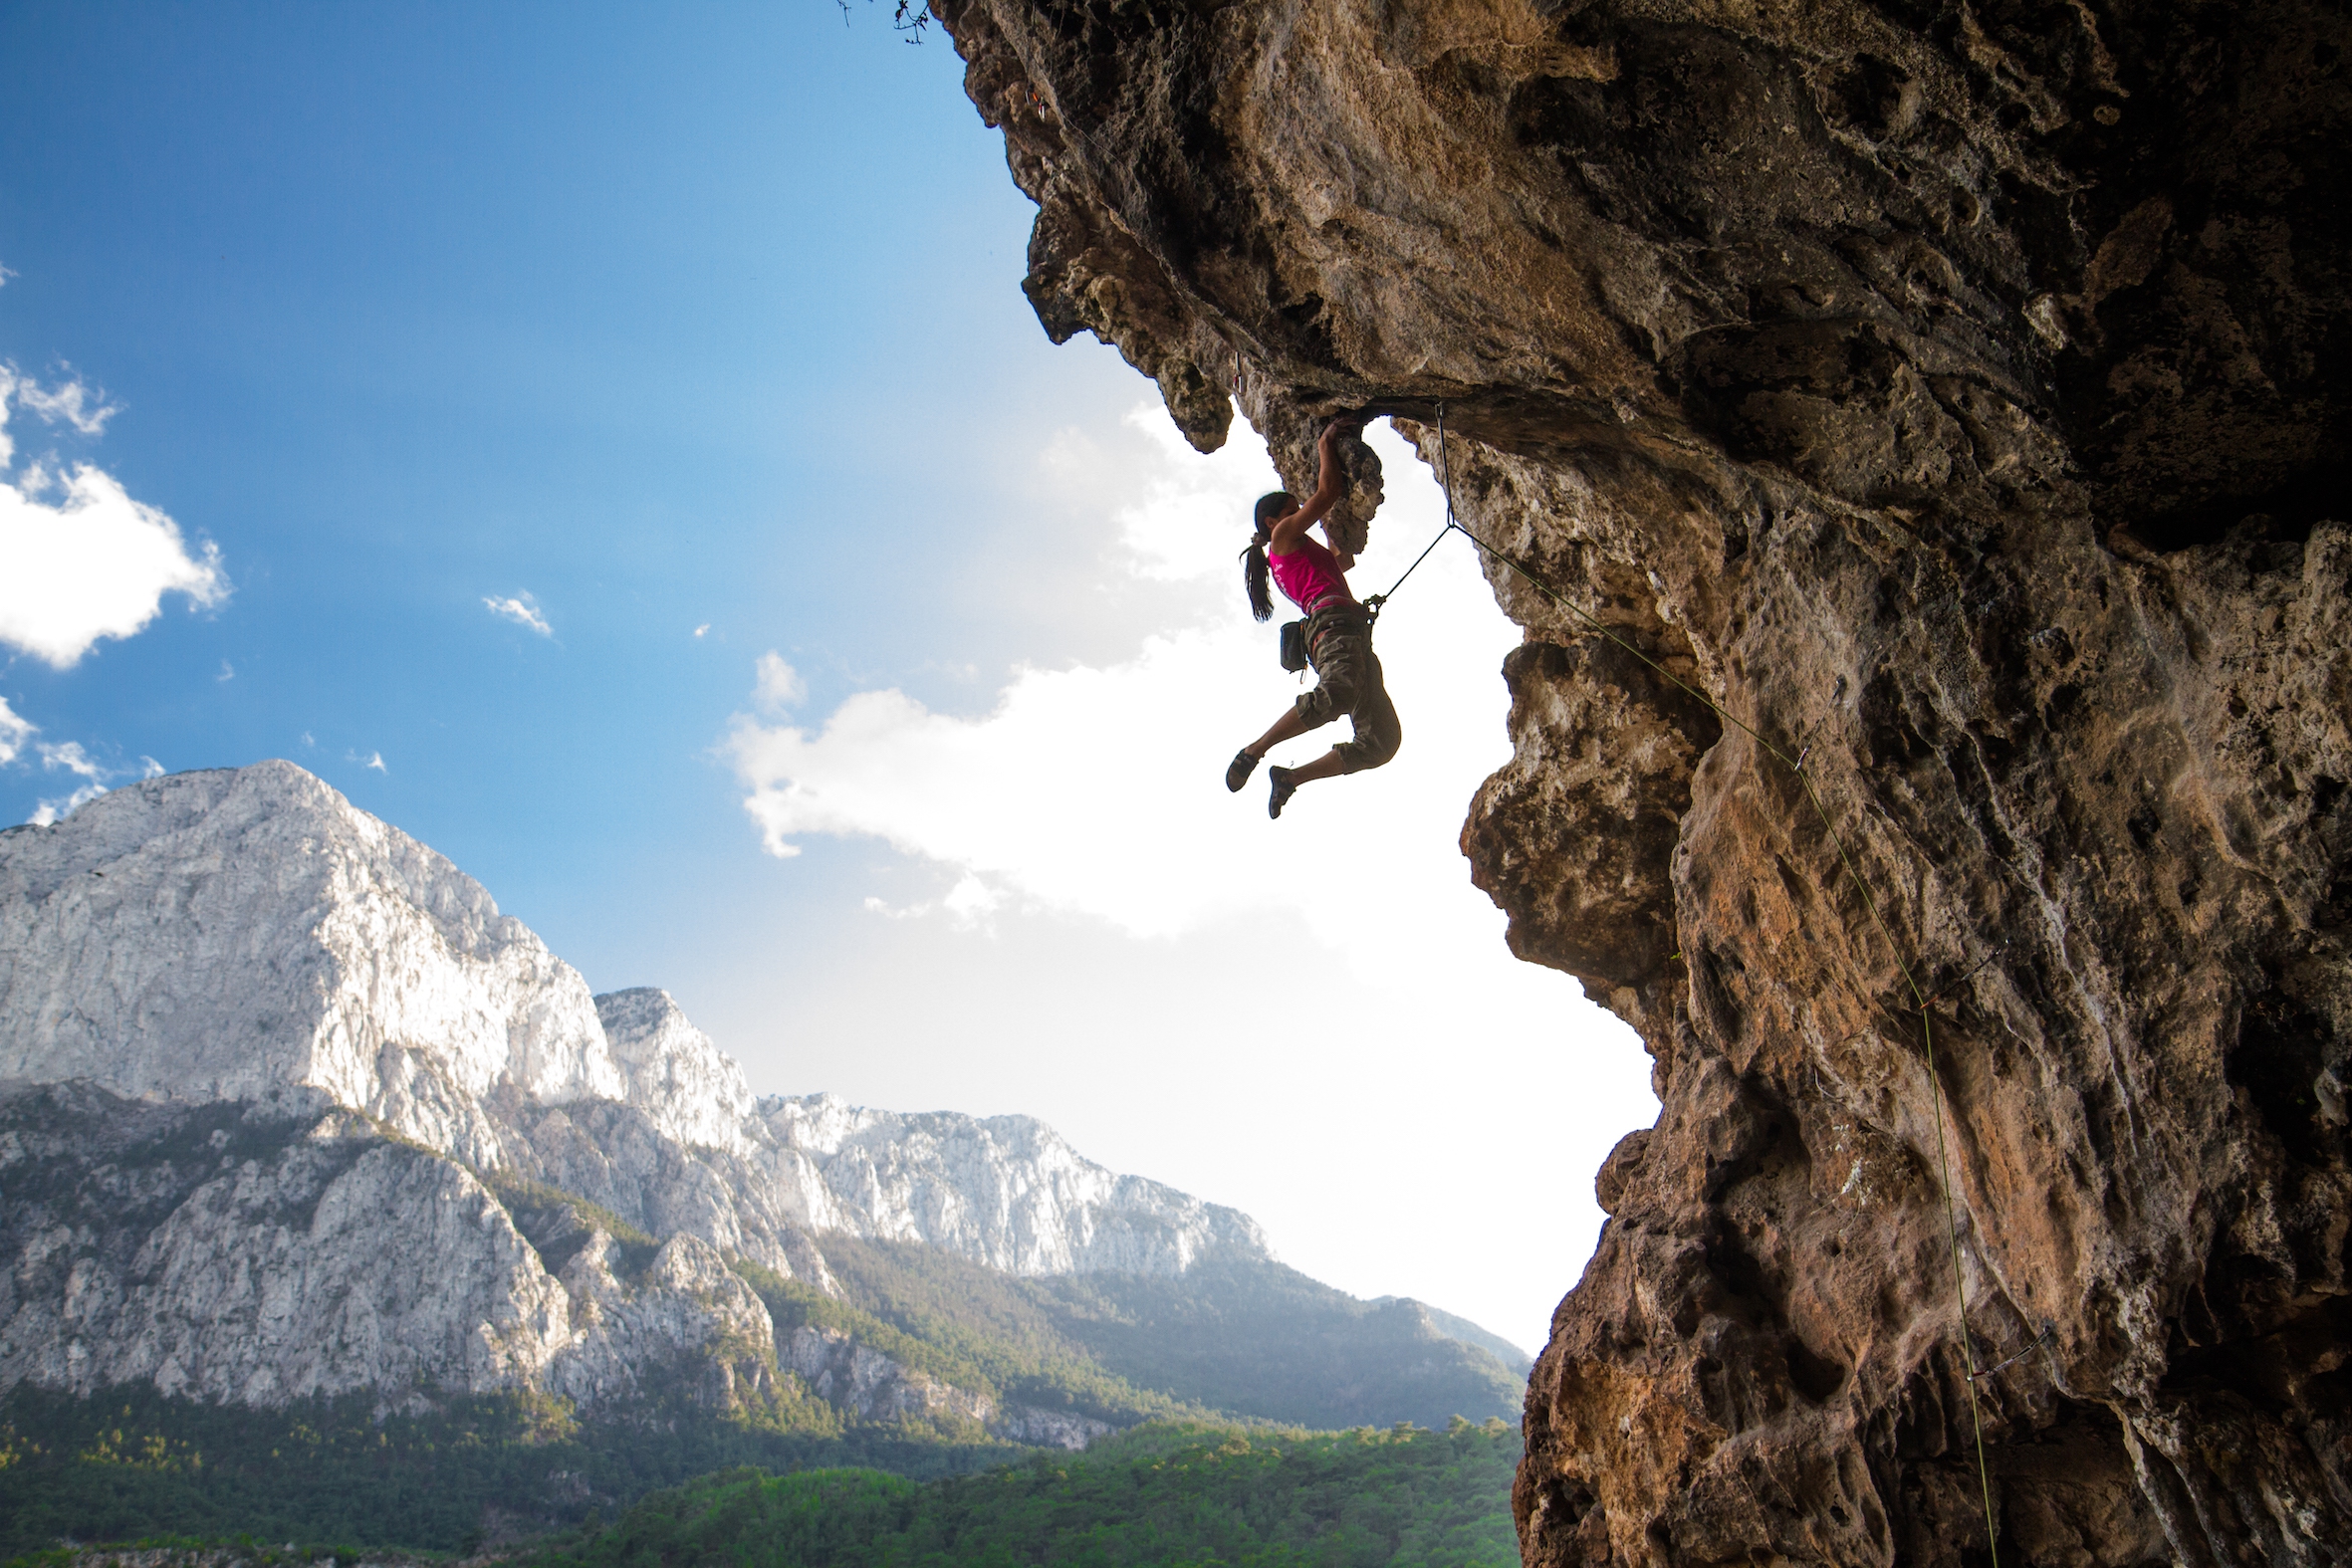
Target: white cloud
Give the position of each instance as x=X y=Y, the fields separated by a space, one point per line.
x=778 y=687
x=73 y=403
x=1098 y=790
x=1289 y=998
x=1193 y=519
x=702 y=629
x=70 y=758
x=372 y=760
x=228 y=671
x=15 y=731
x=80 y=559
x=48 y=813
x=970 y=904
x=523 y=611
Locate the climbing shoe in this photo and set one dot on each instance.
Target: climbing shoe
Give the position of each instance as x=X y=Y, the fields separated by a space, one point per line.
x=1285 y=787
x=1237 y=772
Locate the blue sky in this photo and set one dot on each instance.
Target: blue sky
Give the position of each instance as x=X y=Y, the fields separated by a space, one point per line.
x=693 y=335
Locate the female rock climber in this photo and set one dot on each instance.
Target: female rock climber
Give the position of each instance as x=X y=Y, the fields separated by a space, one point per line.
x=1338 y=639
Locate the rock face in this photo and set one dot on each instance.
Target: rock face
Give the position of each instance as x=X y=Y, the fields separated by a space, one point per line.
x=271 y=1252
x=695 y=1092
x=229 y=935
x=288 y=1108
x=1005 y=1191
x=1953 y=397
x=872 y=1387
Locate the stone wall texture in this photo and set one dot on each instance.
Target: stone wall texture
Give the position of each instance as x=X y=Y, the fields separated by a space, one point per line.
x=1957 y=397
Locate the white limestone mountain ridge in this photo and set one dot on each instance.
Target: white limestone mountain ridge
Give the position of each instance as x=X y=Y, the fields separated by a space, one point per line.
x=289 y=1109
x=315 y=1258
x=231 y=934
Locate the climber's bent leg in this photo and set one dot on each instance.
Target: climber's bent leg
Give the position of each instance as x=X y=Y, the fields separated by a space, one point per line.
x=1348 y=681
x=1379 y=733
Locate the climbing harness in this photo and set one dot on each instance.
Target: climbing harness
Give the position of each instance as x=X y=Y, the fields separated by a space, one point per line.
x=1922 y=1001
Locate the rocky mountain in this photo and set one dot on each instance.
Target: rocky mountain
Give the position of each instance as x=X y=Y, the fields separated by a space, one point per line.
x=236 y=934
x=283 y=1249
x=1913 y=438
x=289 y=1111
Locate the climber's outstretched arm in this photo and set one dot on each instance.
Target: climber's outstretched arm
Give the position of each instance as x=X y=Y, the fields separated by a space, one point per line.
x=1331 y=484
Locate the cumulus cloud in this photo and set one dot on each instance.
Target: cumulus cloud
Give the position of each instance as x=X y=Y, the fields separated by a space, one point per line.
x=80 y=559
x=778 y=687
x=1098 y=789
x=522 y=609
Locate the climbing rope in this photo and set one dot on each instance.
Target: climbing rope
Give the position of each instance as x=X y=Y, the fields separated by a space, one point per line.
x=1922 y=1001
x=1376 y=601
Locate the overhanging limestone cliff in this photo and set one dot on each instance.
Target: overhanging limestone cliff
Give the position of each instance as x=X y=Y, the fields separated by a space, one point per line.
x=1958 y=396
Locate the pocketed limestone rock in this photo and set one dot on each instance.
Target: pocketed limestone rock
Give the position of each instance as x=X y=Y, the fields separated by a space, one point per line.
x=1951 y=396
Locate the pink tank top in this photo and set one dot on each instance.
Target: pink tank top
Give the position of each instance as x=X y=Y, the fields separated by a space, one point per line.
x=1308 y=576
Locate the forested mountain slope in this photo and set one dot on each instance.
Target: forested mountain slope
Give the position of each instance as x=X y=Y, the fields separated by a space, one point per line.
x=1366 y=1499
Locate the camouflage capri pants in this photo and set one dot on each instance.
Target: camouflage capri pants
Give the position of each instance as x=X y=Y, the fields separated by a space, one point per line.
x=1348 y=681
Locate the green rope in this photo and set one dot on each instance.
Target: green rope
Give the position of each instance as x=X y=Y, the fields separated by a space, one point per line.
x=1845 y=858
